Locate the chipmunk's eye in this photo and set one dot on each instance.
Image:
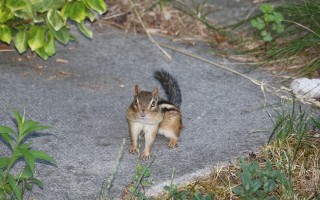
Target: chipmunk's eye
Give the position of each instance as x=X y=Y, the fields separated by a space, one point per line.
x=153 y=103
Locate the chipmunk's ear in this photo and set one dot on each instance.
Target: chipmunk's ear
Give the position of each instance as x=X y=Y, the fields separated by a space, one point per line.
x=137 y=89
x=155 y=92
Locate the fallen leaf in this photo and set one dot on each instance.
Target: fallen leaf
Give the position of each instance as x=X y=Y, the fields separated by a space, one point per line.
x=59 y=60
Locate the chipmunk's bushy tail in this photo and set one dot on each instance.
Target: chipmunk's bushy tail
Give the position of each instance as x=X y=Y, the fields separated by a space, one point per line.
x=170 y=86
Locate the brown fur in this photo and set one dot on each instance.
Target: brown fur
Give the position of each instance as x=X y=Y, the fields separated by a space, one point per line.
x=147 y=116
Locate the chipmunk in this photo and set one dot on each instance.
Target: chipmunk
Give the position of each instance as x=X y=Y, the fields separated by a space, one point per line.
x=151 y=114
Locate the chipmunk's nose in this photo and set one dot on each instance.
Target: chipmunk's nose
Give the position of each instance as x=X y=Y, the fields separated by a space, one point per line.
x=142 y=114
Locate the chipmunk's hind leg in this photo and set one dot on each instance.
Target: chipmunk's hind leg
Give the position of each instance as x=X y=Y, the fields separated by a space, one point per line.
x=168 y=133
x=170 y=127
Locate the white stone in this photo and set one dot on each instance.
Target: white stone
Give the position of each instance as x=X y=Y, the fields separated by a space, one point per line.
x=307 y=88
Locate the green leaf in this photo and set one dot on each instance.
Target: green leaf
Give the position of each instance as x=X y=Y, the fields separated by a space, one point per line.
x=42 y=156
x=210 y=197
x=237 y=191
x=5 y=129
x=65 y=10
x=4 y=161
x=246 y=180
x=97 y=5
x=5 y=15
x=62 y=35
x=279 y=28
x=51 y=4
x=266 y=8
x=28 y=158
x=258 y=23
x=36 y=37
x=23 y=14
x=49 y=46
x=30 y=126
x=37 y=182
x=256 y=184
x=20 y=41
x=269 y=185
x=42 y=53
x=2 y=194
x=145 y=183
x=26 y=173
x=19 y=120
x=7 y=138
x=5 y=34
x=55 y=19
x=36 y=4
x=254 y=168
x=25 y=146
x=15 y=5
x=90 y=14
x=77 y=11
x=278 y=17
x=14 y=186
x=85 y=30
x=266 y=36
x=147 y=173
x=269 y=18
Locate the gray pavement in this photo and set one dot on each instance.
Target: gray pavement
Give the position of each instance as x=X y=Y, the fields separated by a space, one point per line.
x=86 y=98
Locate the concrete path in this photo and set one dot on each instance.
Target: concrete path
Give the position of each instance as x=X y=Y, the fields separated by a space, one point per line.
x=85 y=96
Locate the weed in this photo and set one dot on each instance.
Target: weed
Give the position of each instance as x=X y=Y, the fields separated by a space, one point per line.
x=270 y=22
x=141 y=180
x=105 y=188
x=299 y=43
x=174 y=193
x=172 y=190
x=257 y=182
x=13 y=186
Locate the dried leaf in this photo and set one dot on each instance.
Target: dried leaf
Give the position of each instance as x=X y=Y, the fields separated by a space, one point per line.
x=63 y=61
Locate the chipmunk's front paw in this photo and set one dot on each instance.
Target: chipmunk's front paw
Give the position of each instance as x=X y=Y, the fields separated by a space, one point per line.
x=145 y=156
x=133 y=149
x=173 y=143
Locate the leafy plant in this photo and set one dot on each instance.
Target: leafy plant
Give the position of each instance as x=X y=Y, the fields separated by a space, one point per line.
x=290 y=122
x=270 y=22
x=140 y=181
x=257 y=183
x=12 y=186
x=37 y=24
x=174 y=193
x=199 y=196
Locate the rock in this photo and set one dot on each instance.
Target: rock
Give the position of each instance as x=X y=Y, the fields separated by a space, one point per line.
x=307 y=88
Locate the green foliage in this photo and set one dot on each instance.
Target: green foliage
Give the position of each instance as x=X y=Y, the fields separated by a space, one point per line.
x=174 y=193
x=257 y=183
x=290 y=122
x=12 y=186
x=271 y=22
x=301 y=38
x=199 y=196
x=36 y=24
x=141 y=180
